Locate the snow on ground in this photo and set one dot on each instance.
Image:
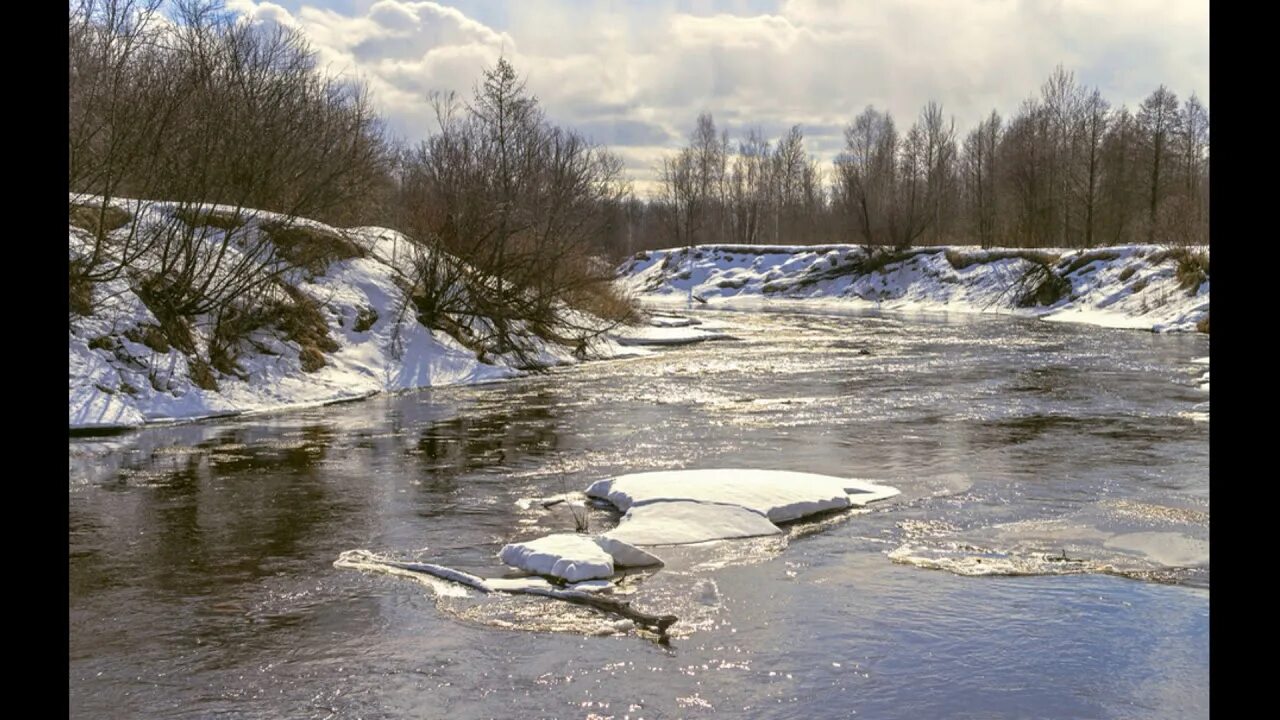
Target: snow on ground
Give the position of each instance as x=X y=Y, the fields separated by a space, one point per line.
x=119 y=379
x=1131 y=286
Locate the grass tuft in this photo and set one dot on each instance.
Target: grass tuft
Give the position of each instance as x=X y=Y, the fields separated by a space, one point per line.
x=309 y=247
x=98 y=220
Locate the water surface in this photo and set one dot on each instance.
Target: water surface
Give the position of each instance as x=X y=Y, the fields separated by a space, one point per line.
x=1048 y=556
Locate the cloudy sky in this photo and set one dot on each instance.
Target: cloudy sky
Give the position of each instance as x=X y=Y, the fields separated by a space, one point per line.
x=634 y=75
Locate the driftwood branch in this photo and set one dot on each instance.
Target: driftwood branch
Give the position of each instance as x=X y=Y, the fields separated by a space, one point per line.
x=529 y=586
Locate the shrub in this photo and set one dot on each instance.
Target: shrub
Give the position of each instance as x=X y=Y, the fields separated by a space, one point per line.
x=1040 y=285
x=606 y=302
x=1127 y=273
x=1193 y=270
x=365 y=318
x=201 y=374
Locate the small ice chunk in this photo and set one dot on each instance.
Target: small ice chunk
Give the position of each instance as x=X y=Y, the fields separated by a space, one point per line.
x=568 y=556
x=625 y=554
x=679 y=522
x=591 y=586
x=862 y=492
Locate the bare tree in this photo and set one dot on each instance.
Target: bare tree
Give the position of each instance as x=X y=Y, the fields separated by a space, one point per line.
x=1160 y=122
x=1094 y=122
x=865 y=175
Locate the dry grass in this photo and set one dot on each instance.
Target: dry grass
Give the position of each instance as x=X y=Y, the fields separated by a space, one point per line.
x=176 y=328
x=202 y=374
x=1193 y=270
x=310 y=248
x=98 y=220
x=200 y=217
x=600 y=297
x=303 y=322
x=105 y=342
x=1192 y=267
x=1203 y=325
x=881 y=258
x=80 y=289
x=961 y=260
x=153 y=336
x=1086 y=258
x=1127 y=273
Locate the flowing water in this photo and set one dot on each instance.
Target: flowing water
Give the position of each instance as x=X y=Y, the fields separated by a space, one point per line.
x=1048 y=557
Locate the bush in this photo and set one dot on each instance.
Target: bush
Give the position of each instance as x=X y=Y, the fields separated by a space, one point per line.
x=606 y=302
x=365 y=318
x=1193 y=270
x=1040 y=285
x=201 y=374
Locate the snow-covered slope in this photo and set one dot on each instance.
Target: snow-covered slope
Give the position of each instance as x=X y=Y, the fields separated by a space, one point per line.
x=1132 y=286
x=124 y=374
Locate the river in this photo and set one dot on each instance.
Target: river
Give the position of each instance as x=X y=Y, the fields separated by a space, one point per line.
x=1048 y=556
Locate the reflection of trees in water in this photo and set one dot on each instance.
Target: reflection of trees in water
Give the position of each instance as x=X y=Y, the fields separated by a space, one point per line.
x=222 y=514
x=448 y=448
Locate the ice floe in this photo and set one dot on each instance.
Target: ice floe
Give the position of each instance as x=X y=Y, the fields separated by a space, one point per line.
x=574 y=557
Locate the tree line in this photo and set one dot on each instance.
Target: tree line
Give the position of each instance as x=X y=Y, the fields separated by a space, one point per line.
x=1066 y=170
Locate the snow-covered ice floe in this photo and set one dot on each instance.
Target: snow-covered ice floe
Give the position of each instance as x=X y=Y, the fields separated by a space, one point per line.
x=672 y=507
x=675 y=507
x=573 y=557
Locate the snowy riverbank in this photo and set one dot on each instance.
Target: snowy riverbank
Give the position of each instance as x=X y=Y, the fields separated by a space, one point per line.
x=125 y=372
x=1134 y=286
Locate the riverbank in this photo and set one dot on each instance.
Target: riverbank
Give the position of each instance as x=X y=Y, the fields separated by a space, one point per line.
x=350 y=335
x=1133 y=286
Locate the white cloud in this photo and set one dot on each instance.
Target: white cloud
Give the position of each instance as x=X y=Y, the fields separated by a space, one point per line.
x=649 y=69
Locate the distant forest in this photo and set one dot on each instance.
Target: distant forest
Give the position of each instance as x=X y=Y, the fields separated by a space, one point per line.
x=1066 y=170
x=201 y=106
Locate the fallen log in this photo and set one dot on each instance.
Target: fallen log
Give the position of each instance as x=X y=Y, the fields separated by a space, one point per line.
x=658 y=624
